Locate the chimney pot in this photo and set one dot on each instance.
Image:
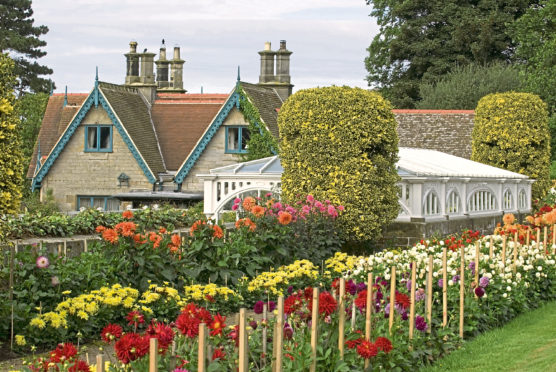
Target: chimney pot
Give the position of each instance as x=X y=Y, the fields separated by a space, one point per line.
x=267 y=45
x=176 y=52
x=133 y=47
x=282 y=44
x=162 y=54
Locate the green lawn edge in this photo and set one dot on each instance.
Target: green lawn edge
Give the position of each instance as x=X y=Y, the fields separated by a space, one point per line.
x=527 y=343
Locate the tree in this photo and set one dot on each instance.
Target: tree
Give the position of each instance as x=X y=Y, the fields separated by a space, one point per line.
x=30 y=108
x=11 y=166
x=341 y=144
x=511 y=132
x=19 y=37
x=463 y=87
x=420 y=40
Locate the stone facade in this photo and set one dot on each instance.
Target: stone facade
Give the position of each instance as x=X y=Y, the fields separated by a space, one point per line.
x=215 y=154
x=78 y=173
x=448 y=131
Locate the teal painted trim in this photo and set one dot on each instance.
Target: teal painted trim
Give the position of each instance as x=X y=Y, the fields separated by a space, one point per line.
x=239 y=149
x=70 y=130
x=97 y=145
x=232 y=101
x=89 y=201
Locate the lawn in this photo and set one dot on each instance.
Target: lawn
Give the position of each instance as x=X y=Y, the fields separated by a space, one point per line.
x=525 y=344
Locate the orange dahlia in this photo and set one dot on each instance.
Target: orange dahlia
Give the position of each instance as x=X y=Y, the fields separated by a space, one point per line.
x=248 y=203
x=110 y=235
x=284 y=218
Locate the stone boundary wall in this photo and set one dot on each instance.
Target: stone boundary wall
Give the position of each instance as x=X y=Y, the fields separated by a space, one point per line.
x=448 y=131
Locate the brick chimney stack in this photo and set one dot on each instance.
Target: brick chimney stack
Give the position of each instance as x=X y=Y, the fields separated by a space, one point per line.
x=281 y=82
x=176 y=79
x=267 y=64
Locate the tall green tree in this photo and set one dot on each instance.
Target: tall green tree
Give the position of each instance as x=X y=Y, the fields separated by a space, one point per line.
x=21 y=40
x=464 y=86
x=420 y=40
x=11 y=166
x=30 y=108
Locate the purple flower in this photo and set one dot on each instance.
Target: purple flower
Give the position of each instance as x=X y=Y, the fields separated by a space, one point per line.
x=258 y=308
x=408 y=285
x=455 y=279
x=404 y=315
x=42 y=262
x=420 y=294
x=472 y=267
x=480 y=292
x=277 y=205
x=387 y=310
x=253 y=324
x=361 y=287
x=290 y=290
x=351 y=288
x=288 y=331
x=271 y=305
x=484 y=281
x=440 y=283
x=420 y=323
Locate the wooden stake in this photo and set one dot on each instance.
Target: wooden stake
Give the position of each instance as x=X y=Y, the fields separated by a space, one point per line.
x=538 y=238
x=65 y=249
x=477 y=259
x=202 y=351
x=264 y=333
x=353 y=316
x=279 y=335
x=553 y=234
x=461 y=291
x=412 y=304
x=368 y=312
x=429 y=294
x=545 y=241
x=392 y=298
x=153 y=355
x=85 y=245
x=100 y=363
x=528 y=237
x=243 y=345
x=59 y=250
x=491 y=248
x=342 y=317
x=504 y=239
x=314 y=329
x=444 y=287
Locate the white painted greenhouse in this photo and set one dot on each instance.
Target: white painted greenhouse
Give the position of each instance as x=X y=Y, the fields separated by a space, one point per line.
x=434 y=186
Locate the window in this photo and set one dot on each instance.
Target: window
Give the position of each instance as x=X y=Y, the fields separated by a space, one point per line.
x=432 y=205
x=453 y=203
x=105 y=202
x=508 y=200
x=523 y=202
x=480 y=201
x=236 y=139
x=98 y=138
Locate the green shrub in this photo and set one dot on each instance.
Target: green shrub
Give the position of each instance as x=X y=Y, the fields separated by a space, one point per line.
x=340 y=144
x=511 y=132
x=11 y=163
x=463 y=87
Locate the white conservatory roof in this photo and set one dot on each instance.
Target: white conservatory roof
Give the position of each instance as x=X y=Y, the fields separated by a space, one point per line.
x=412 y=162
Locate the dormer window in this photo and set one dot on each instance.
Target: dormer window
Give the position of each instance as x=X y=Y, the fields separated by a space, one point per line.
x=98 y=138
x=236 y=139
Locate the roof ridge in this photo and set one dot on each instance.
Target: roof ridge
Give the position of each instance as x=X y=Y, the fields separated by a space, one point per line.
x=123 y=88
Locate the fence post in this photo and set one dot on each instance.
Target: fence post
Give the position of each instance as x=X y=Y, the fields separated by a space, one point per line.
x=515 y=254
x=279 y=335
x=243 y=345
x=477 y=261
x=527 y=236
x=461 y=291
x=553 y=235
x=85 y=249
x=153 y=355
x=264 y=333
x=314 y=329
x=545 y=240
x=100 y=363
x=392 y=299
x=444 y=287
x=429 y=294
x=504 y=240
x=202 y=353
x=342 y=317
x=12 y=268
x=412 y=304
x=368 y=311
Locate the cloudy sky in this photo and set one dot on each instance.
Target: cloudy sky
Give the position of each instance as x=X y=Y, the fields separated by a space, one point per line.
x=328 y=39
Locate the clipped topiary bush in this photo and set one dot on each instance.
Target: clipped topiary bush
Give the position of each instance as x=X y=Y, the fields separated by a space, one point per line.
x=341 y=144
x=511 y=132
x=10 y=153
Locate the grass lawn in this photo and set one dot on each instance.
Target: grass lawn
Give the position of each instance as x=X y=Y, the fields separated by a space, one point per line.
x=528 y=343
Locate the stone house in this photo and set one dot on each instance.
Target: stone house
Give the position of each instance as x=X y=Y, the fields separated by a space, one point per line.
x=145 y=141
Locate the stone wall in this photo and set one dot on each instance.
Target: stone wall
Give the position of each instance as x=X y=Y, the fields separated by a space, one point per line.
x=214 y=155
x=76 y=172
x=448 y=131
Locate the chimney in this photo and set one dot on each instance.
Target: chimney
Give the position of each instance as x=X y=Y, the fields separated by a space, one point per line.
x=283 y=63
x=162 y=68
x=267 y=64
x=176 y=78
x=132 y=64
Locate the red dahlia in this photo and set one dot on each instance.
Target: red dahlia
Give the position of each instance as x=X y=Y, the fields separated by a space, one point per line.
x=384 y=344
x=163 y=333
x=134 y=318
x=131 y=346
x=218 y=354
x=367 y=349
x=63 y=352
x=327 y=303
x=111 y=332
x=188 y=324
x=217 y=325
x=403 y=300
x=352 y=344
x=292 y=303
x=80 y=366
x=361 y=300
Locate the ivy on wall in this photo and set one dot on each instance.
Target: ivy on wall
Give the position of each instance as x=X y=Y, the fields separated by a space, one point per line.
x=261 y=143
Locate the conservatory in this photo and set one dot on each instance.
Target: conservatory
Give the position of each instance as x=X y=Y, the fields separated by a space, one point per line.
x=434 y=186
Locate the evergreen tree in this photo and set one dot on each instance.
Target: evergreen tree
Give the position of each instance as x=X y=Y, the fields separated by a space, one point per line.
x=22 y=40
x=421 y=40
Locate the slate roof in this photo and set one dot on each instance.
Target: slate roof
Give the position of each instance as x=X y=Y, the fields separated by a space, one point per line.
x=267 y=100
x=180 y=120
x=133 y=112
x=55 y=121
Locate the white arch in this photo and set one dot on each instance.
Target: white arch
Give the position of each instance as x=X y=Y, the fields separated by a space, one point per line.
x=220 y=204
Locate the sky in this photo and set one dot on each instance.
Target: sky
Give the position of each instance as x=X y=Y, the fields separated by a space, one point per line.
x=328 y=39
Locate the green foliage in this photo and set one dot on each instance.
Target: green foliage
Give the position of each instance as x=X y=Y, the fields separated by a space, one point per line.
x=261 y=143
x=18 y=36
x=340 y=144
x=30 y=108
x=511 y=132
x=420 y=41
x=535 y=36
x=11 y=165
x=463 y=87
